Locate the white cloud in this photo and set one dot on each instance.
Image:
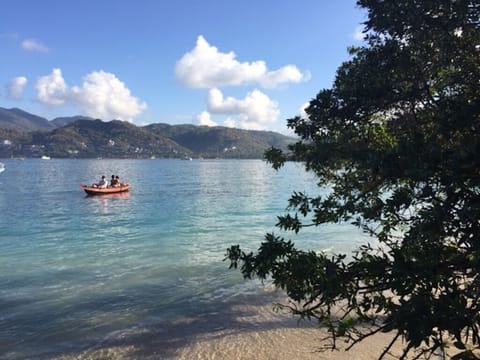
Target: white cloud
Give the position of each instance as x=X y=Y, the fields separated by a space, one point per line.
x=254 y=112
x=34 y=45
x=229 y=122
x=288 y=73
x=15 y=87
x=52 y=89
x=302 y=113
x=101 y=95
x=204 y=119
x=104 y=96
x=206 y=67
x=358 y=33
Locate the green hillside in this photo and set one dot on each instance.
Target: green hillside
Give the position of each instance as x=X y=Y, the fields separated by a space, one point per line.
x=119 y=139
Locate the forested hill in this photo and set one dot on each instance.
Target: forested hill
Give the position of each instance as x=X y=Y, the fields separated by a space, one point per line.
x=27 y=135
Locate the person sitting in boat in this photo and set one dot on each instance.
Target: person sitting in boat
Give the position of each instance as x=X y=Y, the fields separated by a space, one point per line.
x=102 y=184
x=115 y=182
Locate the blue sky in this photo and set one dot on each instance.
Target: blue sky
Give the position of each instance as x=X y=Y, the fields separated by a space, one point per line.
x=248 y=64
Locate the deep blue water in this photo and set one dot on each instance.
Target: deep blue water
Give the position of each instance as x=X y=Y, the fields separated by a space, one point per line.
x=75 y=269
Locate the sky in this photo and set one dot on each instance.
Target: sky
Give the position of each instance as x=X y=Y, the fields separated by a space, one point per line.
x=245 y=64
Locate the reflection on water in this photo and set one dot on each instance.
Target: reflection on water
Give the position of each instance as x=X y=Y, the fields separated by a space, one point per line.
x=103 y=197
x=107 y=203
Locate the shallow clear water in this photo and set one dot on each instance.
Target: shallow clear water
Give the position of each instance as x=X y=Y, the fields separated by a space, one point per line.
x=75 y=269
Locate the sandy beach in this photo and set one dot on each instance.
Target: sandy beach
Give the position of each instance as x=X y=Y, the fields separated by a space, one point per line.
x=244 y=331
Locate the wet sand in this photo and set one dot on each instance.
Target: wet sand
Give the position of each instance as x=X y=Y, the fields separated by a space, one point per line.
x=247 y=329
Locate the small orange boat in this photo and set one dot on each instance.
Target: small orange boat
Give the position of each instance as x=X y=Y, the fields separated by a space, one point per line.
x=90 y=190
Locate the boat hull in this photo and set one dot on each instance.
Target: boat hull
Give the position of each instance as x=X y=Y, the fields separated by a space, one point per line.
x=110 y=190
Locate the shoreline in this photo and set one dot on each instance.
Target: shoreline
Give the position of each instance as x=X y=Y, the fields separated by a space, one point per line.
x=245 y=330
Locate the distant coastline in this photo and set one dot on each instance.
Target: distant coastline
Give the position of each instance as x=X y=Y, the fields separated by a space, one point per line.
x=24 y=135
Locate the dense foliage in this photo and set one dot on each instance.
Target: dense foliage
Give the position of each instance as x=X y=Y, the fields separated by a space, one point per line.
x=396 y=139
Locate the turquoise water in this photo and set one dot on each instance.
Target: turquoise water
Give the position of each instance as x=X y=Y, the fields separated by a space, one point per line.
x=77 y=270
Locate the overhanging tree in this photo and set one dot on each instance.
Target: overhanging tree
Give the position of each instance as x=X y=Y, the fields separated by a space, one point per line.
x=396 y=139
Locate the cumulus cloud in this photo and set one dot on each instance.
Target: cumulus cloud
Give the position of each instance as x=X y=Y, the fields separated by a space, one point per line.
x=34 y=45
x=303 y=113
x=15 y=87
x=104 y=96
x=52 y=89
x=253 y=112
x=101 y=95
x=206 y=67
x=204 y=119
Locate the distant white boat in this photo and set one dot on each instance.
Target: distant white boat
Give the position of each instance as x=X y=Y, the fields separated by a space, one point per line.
x=45 y=157
x=2 y=167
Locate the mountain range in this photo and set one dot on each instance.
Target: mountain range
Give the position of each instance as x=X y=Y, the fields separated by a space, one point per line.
x=23 y=134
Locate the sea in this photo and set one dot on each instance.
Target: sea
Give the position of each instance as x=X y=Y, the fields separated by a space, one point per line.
x=82 y=272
